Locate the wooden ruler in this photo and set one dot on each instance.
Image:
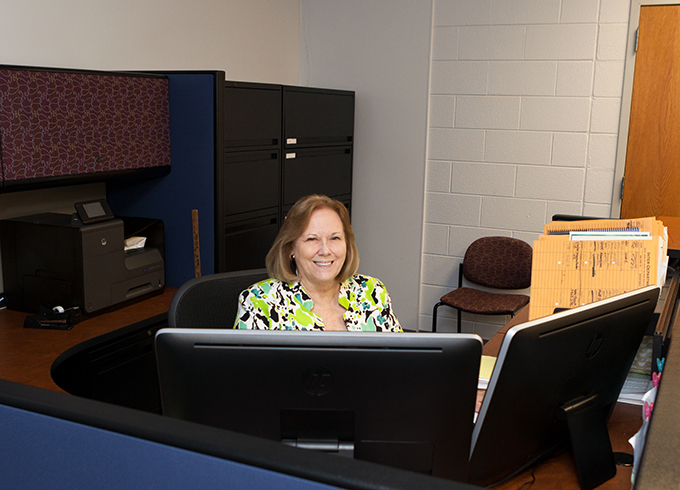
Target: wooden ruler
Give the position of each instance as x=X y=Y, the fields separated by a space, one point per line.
x=197 y=248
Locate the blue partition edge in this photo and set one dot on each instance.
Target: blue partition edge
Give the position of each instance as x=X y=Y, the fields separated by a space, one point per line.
x=55 y=440
x=41 y=452
x=190 y=183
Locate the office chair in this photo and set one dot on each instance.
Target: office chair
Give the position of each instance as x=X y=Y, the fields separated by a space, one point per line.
x=495 y=262
x=211 y=301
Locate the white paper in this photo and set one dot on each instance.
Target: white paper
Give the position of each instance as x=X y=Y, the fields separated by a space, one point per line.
x=135 y=243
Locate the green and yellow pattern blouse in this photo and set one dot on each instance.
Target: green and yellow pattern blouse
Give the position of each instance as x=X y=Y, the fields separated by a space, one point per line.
x=275 y=305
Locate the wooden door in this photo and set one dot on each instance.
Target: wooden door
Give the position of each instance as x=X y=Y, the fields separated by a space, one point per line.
x=652 y=172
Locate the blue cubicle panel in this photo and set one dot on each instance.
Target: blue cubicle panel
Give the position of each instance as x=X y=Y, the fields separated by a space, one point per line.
x=41 y=452
x=191 y=182
x=53 y=441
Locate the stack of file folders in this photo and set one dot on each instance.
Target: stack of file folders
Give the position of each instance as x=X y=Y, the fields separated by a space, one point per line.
x=579 y=262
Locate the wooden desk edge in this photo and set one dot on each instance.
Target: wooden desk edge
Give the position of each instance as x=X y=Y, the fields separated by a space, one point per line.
x=26 y=355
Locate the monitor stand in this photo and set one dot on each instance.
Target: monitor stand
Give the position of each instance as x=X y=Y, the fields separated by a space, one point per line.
x=590 y=444
x=340 y=448
x=330 y=431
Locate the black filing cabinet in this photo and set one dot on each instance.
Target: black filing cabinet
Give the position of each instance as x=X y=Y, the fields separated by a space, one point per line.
x=281 y=143
x=331 y=167
x=318 y=136
x=252 y=177
x=314 y=117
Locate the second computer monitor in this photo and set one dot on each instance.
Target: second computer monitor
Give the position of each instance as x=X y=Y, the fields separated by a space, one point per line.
x=555 y=381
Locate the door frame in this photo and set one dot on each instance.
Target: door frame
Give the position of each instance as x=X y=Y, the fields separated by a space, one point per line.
x=626 y=100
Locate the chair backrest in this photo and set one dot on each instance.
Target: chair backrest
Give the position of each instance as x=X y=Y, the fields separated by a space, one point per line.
x=498 y=262
x=211 y=301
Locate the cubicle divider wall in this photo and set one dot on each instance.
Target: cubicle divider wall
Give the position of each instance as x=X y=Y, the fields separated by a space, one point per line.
x=53 y=441
x=196 y=126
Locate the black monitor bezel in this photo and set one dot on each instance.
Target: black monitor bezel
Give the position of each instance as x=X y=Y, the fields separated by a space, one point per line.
x=416 y=395
x=525 y=412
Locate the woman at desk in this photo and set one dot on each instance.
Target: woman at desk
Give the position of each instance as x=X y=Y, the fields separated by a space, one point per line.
x=313 y=283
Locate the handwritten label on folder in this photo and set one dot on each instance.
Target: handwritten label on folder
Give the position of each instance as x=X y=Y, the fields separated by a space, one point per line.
x=567 y=273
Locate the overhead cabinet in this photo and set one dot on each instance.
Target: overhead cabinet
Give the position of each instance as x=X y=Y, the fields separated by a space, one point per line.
x=66 y=127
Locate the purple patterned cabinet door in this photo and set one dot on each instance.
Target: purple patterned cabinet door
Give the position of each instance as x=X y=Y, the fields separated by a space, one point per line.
x=65 y=123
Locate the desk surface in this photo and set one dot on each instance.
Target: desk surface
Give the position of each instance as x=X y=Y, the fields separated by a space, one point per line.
x=26 y=356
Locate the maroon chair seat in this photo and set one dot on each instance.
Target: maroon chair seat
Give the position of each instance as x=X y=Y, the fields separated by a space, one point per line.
x=494 y=262
x=483 y=302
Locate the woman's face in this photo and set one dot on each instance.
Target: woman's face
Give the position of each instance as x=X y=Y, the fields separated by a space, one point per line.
x=321 y=249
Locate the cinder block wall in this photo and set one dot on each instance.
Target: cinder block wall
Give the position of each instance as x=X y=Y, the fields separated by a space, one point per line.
x=523 y=124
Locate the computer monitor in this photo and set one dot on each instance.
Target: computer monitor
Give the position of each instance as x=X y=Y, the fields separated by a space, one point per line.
x=400 y=399
x=555 y=381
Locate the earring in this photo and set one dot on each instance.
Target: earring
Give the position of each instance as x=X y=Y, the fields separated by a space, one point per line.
x=292 y=256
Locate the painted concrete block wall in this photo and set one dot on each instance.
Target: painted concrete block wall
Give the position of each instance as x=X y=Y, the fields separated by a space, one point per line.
x=523 y=121
x=381 y=50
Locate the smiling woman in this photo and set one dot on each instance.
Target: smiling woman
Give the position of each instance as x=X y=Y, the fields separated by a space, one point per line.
x=313 y=283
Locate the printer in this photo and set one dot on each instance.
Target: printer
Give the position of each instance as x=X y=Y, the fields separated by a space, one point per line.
x=56 y=259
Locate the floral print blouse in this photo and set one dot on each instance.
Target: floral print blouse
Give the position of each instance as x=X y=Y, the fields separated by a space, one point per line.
x=275 y=305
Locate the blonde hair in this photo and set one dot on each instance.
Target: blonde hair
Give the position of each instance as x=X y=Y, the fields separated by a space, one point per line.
x=279 y=261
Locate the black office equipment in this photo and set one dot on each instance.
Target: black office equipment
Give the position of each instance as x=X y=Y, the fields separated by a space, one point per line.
x=662 y=329
x=556 y=380
x=56 y=318
x=91 y=212
x=281 y=143
x=573 y=217
x=55 y=259
x=403 y=400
